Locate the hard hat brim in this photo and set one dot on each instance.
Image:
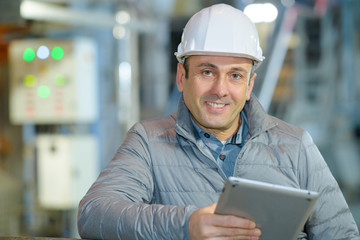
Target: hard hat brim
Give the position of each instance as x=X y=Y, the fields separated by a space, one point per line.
x=181 y=57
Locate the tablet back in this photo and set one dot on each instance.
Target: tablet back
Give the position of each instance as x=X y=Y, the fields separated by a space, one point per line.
x=280 y=212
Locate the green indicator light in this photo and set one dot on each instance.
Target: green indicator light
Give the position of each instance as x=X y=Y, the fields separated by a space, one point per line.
x=59 y=80
x=29 y=80
x=29 y=54
x=57 y=53
x=43 y=91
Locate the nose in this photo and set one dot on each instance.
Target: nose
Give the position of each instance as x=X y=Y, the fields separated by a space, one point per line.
x=220 y=87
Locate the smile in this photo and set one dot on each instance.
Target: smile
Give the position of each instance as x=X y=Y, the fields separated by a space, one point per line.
x=216 y=105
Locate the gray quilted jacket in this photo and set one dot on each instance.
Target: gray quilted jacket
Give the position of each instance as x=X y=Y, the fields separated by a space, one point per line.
x=162 y=173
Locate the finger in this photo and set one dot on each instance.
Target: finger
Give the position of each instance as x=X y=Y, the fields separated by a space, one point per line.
x=233 y=238
x=233 y=232
x=231 y=221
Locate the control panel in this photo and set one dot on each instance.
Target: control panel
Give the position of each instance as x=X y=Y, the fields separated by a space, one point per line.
x=53 y=81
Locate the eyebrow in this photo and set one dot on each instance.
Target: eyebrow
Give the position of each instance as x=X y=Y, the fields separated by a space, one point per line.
x=207 y=65
x=240 y=69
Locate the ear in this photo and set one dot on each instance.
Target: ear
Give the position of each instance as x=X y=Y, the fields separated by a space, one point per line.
x=180 y=77
x=250 y=87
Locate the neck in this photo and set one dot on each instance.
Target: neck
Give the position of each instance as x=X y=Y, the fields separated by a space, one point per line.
x=222 y=134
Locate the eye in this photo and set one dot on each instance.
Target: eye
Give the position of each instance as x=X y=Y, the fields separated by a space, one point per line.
x=207 y=73
x=236 y=76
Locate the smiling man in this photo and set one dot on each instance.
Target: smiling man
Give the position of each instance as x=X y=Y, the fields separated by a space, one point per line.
x=166 y=177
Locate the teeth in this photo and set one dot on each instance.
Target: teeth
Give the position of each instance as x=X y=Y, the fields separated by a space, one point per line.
x=216 y=105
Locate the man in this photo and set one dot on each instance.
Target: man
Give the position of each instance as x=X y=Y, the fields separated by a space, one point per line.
x=166 y=177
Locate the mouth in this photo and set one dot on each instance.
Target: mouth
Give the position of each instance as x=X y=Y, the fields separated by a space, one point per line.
x=216 y=105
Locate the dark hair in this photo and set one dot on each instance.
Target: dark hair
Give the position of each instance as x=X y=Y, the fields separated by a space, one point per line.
x=186 y=67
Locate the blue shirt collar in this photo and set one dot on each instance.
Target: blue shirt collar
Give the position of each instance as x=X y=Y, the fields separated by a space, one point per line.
x=237 y=138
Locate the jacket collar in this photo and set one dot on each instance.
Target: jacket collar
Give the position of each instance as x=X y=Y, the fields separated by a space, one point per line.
x=184 y=125
x=258 y=120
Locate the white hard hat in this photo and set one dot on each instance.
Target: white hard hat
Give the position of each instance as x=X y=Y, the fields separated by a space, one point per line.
x=220 y=30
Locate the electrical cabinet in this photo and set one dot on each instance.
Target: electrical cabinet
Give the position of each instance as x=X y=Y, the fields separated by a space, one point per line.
x=53 y=81
x=66 y=168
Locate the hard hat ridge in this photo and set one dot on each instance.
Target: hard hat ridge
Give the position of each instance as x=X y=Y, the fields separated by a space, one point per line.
x=220 y=30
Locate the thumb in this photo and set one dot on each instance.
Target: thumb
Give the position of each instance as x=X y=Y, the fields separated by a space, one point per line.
x=211 y=208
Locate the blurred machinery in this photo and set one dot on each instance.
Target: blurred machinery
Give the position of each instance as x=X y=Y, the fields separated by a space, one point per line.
x=10 y=209
x=53 y=70
x=54 y=82
x=53 y=85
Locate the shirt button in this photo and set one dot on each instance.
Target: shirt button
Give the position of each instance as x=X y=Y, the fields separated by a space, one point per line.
x=206 y=135
x=222 y=157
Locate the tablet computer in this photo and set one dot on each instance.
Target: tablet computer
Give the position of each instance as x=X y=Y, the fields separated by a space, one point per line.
x=280 y=212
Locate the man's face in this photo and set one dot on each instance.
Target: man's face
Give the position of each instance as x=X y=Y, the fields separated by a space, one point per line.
x=215 y=91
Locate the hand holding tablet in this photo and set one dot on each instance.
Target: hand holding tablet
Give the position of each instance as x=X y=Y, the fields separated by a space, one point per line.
x=280 y=212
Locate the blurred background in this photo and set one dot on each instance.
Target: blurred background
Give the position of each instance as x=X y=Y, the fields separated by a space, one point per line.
x=75 y=76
